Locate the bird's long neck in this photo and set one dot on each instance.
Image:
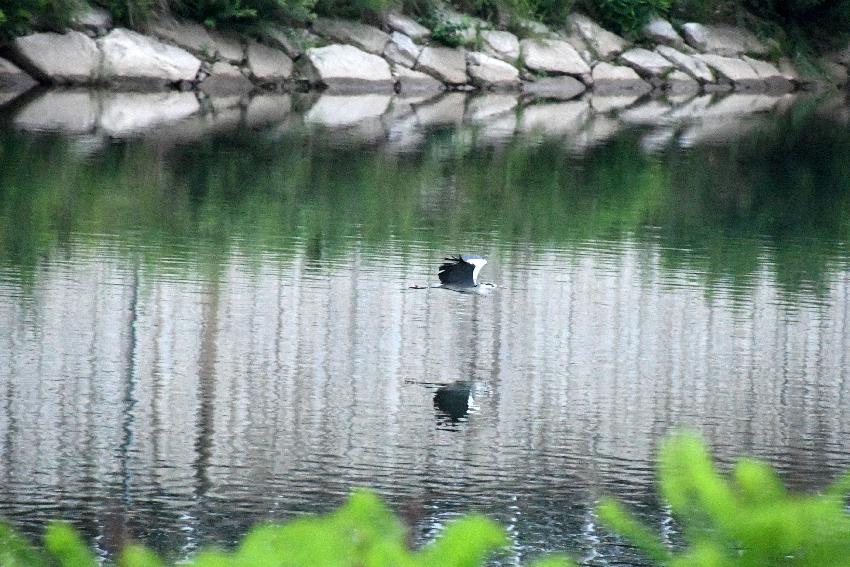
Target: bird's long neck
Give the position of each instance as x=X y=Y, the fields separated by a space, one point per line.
x=478 y=265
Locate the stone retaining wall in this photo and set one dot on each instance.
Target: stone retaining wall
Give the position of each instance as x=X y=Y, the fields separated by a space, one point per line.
x=351 y=57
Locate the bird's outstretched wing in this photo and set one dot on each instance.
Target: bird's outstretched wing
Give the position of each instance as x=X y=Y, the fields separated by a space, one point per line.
x=455 y=271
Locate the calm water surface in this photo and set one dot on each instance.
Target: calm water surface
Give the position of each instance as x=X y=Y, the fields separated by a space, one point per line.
x=199 y=335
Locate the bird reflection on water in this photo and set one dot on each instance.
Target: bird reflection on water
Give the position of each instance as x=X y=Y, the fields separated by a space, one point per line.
x=453 y=402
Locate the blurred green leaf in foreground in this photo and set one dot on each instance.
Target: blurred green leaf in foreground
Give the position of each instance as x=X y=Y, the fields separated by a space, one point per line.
x=362 y=533
x=747 y=519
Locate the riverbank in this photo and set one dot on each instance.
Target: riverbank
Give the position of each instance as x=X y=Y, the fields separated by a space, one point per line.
x=401 y=55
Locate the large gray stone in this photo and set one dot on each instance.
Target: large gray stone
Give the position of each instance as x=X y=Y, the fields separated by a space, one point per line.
x=775 y=80
x=500 y=44
x=723 y=40
x=615 y=79
x=448 y=65
x=347 y=68
x=367 y=38
x=737 y=71
x=694 y=67
x=92 y=20
x=646 y=63
x=133 y=59
x=224 y=80
x=659 y=30
x=679 y=82
x=268 y=65
x=191 y=36
x=285 y=39
x=582 y=48
x=13 y=77
x=228 y=46
x=401 y=50
x=563 y=87
x=553 y=56
x=416 y=82
x=408 y=26
x=70 y=58
x=604 y=43
x=489 y=72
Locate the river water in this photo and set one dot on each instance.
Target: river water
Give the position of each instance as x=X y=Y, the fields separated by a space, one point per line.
x=206 y=327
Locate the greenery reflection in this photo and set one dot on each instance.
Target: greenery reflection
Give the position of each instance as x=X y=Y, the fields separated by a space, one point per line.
x=776 y=197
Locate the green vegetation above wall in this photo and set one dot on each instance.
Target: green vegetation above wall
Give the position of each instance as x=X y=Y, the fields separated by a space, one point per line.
x=625 y=16
x=17 y=17
x=797 y=25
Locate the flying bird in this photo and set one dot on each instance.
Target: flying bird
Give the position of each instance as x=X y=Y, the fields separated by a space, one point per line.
x=461 y=270
x=460 y=273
